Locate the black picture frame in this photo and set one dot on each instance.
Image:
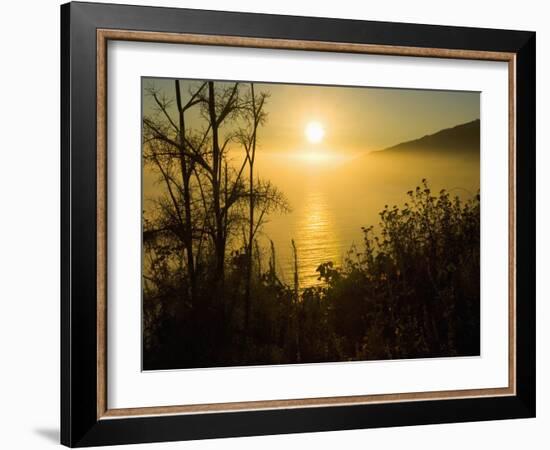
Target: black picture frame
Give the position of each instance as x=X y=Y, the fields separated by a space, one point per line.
x=80 y=425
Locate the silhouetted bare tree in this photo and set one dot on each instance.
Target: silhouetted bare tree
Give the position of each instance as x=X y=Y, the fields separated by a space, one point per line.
x=207 y=198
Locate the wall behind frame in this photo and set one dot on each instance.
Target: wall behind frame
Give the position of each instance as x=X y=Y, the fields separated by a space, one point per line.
x=29 y=229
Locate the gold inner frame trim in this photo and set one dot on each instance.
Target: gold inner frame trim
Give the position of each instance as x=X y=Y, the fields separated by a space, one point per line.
x=103 y=36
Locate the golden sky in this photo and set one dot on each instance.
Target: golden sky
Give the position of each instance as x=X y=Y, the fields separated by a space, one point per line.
x=352 y=119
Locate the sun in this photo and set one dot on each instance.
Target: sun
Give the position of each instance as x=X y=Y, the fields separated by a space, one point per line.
x=314 y=132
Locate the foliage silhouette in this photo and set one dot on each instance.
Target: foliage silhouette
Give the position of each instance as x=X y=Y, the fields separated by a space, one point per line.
x=410 y=291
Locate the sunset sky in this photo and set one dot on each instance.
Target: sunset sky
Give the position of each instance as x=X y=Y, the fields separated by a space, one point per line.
x=352 y=119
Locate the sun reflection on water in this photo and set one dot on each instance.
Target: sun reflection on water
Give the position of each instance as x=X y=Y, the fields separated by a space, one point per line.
x=316 y=237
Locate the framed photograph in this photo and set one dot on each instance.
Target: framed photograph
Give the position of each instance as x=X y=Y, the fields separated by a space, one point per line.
x=276 y=224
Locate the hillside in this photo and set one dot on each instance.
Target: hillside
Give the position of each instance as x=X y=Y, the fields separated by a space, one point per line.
x=461 y=139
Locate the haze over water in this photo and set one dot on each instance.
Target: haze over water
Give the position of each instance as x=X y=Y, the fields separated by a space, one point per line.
x=331 y=201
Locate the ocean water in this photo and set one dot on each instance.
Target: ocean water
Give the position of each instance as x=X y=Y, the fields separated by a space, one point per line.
x=332 y=200
x=332 y=197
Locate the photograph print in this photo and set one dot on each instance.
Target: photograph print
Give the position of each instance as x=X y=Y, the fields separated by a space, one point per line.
x=299 y=224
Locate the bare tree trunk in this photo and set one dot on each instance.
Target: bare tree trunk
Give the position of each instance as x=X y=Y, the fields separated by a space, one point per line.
x=251 y=158
x=219 y=240
x=258 y=258
x=186 y=170
x=272 y=263
x=296 y=302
